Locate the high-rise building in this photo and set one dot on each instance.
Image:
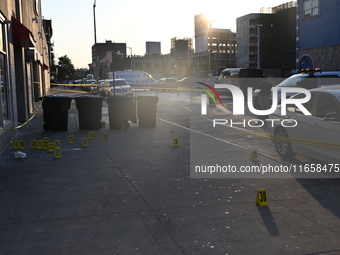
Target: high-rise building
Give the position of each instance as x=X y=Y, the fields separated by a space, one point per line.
x=153 y=48
x=215 y=48
x=268 y=40
x=181 y=47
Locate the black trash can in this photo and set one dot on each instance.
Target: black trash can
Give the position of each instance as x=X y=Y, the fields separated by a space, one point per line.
x=89 y=112
x=147 y=107
x=56 y=112
x=120 y=112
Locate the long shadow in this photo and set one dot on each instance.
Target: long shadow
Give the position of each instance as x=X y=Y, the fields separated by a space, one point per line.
x=268 y=220
x=324 y=188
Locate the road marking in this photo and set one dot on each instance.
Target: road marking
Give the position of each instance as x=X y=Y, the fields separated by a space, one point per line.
x=217 y=139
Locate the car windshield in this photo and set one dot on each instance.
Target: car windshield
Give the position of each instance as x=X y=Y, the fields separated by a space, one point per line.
x=292 y=82
x=90 y=81
x=119 y=82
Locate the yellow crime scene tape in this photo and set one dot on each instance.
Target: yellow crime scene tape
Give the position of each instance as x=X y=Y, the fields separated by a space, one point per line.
x=266 y=135
x=25 y=123
x=256 y=133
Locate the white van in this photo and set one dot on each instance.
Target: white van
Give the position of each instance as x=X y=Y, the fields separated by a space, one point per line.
x=134 y=78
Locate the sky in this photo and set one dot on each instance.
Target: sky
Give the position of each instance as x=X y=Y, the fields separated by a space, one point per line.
x=135 y=22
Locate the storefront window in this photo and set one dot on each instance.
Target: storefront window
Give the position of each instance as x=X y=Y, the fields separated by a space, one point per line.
x=1 y=38
x=3 y=84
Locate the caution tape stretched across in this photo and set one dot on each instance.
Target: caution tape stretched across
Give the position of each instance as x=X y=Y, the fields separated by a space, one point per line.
x=266 y=135
x=26 y=122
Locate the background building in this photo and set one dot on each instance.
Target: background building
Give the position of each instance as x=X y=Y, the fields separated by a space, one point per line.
x=24 y=63
x=215 y=48
x=268 y=40
x=318 y=34
x=177 y=64
x=106 y=57
x=153 y=48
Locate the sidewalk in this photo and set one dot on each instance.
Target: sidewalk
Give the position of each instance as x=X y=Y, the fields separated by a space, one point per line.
x=131 y=194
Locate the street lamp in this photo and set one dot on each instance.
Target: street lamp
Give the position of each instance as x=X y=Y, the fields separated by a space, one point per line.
x=130 y=55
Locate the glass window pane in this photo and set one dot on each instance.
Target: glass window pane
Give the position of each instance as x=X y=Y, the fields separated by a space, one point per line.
x=326 y=104
x=3 y=91
x=307 y=5
x=1 y=38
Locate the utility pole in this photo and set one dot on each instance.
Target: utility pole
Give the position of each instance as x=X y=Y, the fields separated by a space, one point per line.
x=95 y=40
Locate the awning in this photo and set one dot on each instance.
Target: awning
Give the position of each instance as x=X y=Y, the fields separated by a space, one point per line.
x=22 y=35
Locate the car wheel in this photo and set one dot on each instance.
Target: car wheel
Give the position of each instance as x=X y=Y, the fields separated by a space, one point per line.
x=283 y=148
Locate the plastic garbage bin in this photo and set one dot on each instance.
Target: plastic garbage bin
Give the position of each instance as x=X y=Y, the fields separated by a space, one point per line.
x=55 y=112
x=147 y=107
x=89 y=112
x=120 y=112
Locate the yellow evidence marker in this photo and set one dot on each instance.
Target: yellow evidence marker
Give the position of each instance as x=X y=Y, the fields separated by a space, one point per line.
x=262 y=198
x=90 y=135
x=33 y=144
x=175 y=142
x=21 y=144
x=45 y=143
x=56 y=143
x=51 y=146
x=15 y=144
x=57 y=152
x=85 y=142
x=253 y=155
x=39 y=144
x=71 y=139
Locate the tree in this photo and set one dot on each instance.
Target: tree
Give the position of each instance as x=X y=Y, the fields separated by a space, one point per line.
x=65 y=68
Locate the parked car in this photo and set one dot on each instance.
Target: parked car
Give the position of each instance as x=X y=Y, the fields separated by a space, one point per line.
x=168 y=82
x=212 y=80
x=297 y=80
x=322 y=127
x=184 y=82
x=118 y=87
x=238 y=77
x=88 y=83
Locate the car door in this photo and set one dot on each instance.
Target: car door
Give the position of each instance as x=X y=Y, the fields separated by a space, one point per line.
x=315 y=129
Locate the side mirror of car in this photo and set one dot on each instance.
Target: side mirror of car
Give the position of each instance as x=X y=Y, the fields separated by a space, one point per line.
x=332 y=116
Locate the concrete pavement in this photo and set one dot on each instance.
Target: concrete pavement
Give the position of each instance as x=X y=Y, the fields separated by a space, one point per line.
x=132 y=194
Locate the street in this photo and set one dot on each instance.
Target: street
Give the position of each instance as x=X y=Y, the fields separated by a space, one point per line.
x=138 y=192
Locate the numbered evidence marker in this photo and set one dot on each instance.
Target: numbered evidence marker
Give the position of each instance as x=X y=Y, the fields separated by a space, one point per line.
x=57 y=152
x=71 y=139
x=15 y=144
x=90 y=135
x=175 y=142
x=21 y=144
x=262 y=198
x=105 y=136
x=85 y=142
x=56 y=143
x=51 y=146
x=39 y=144
x=45 y=143
x=33 y=144
x=253 y=155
